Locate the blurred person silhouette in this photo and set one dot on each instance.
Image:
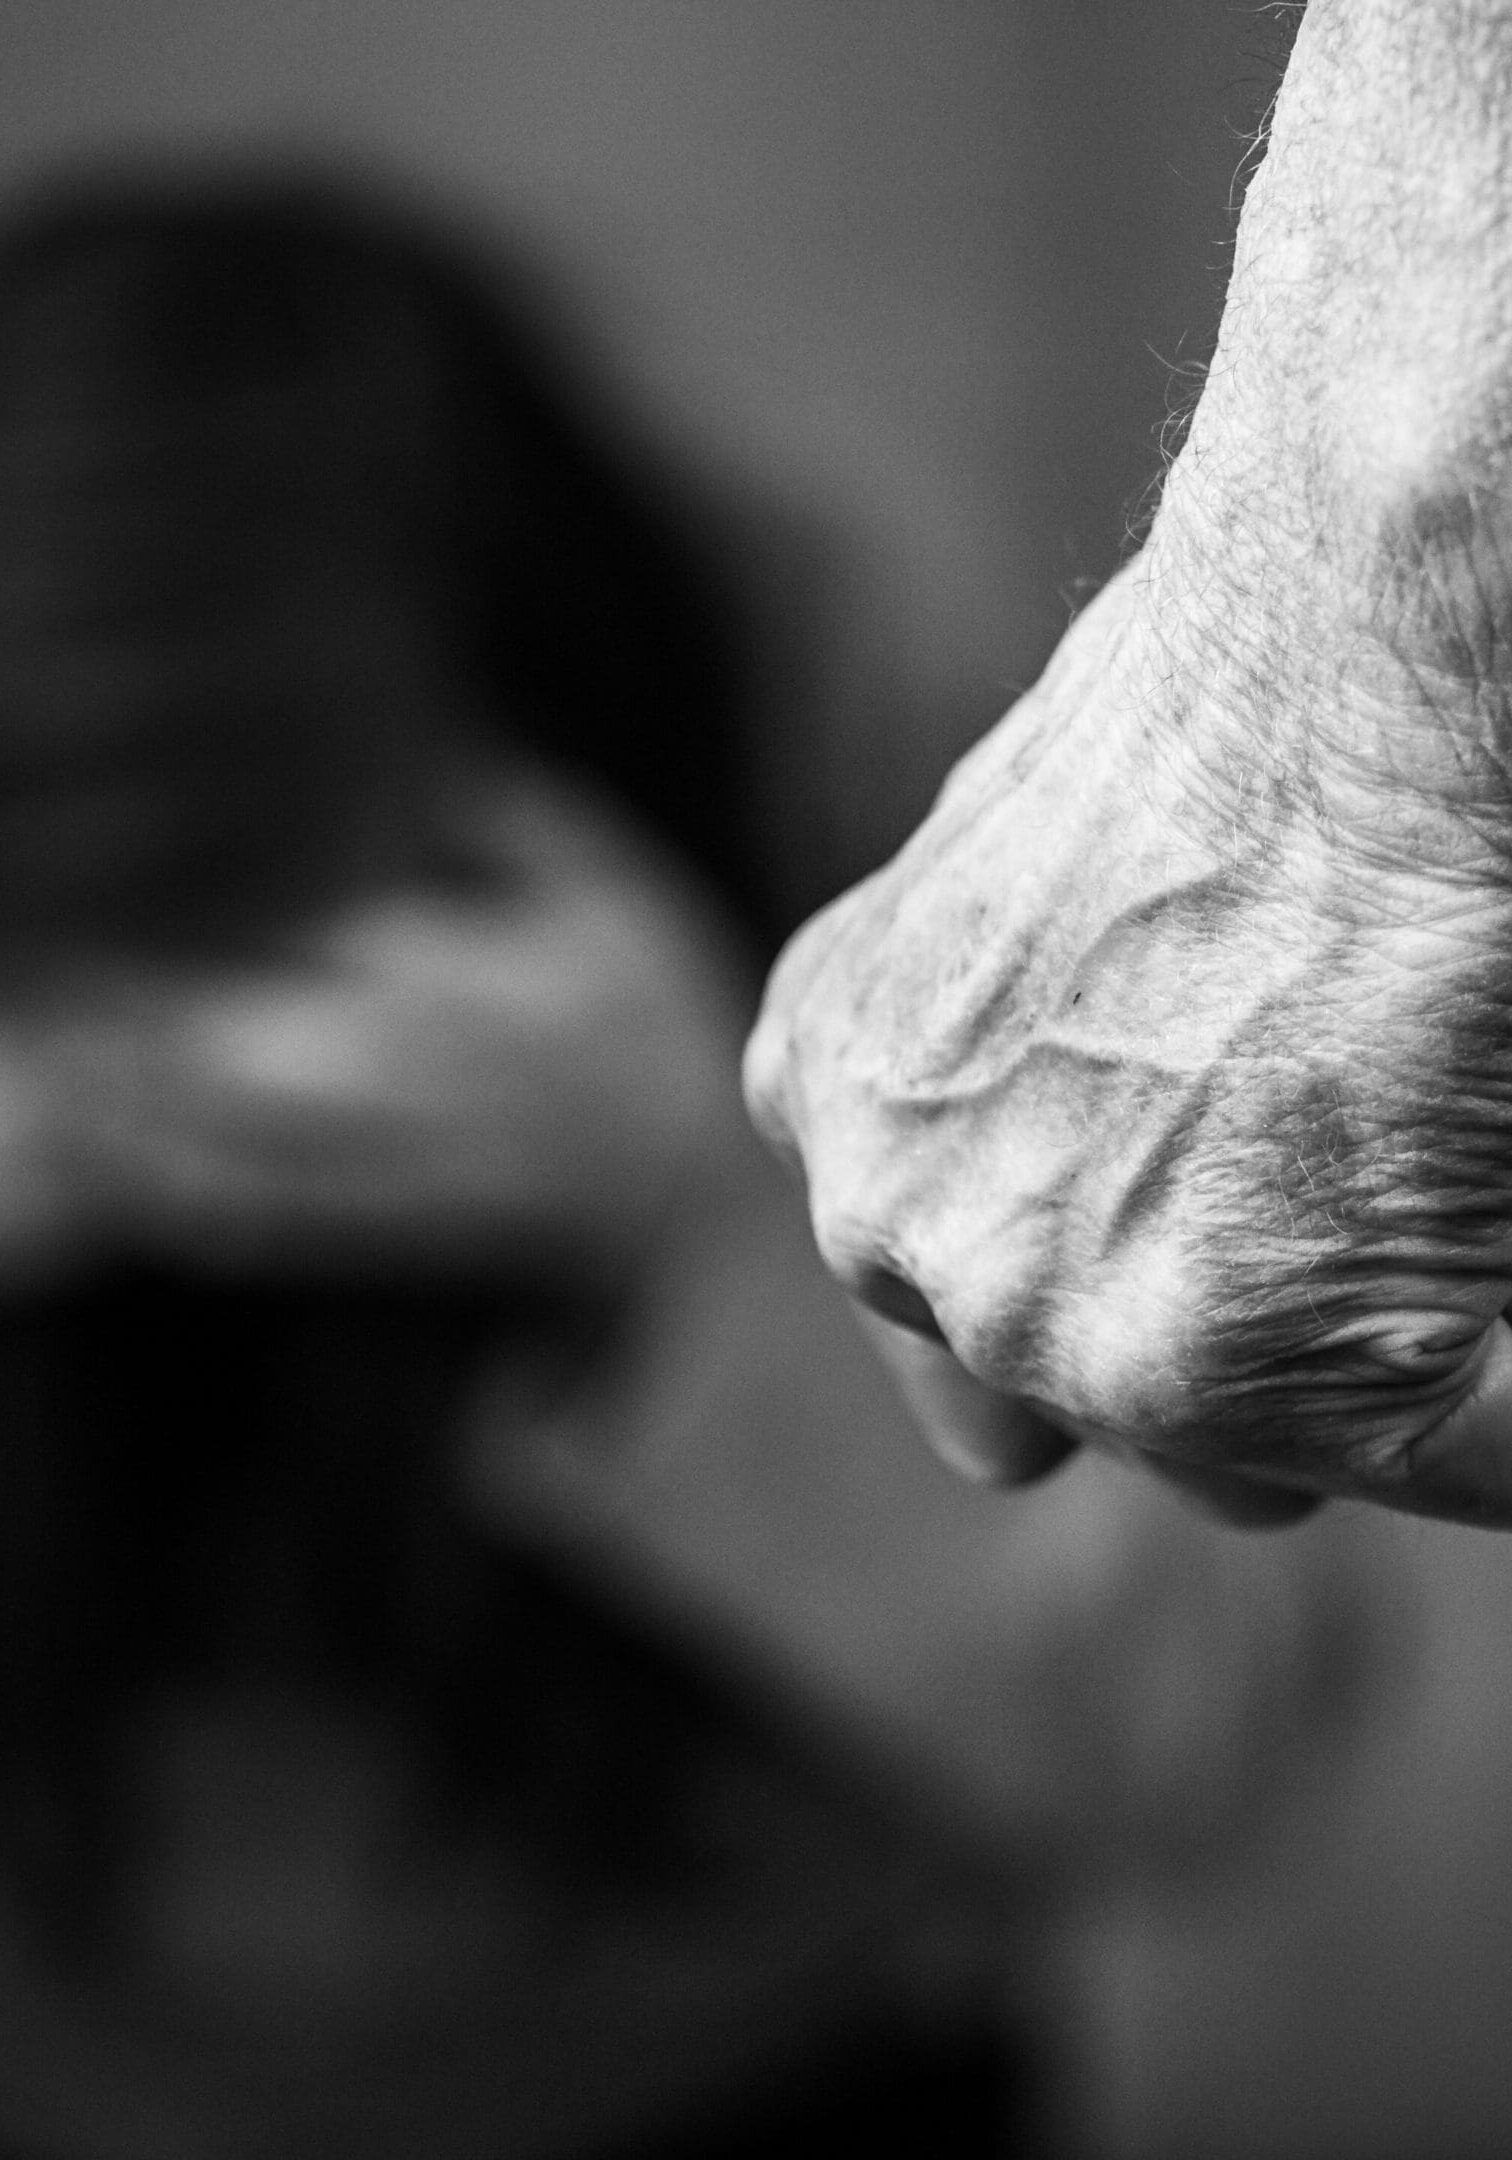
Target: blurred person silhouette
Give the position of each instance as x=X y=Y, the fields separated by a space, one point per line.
x=378 y=923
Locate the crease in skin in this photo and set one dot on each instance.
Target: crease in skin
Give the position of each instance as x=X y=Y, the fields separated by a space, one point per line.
x=1459 y=1465
x=1300 y=1316
x=1159 y=1162
x=1417 y=790
x=1445 y=581
x=1294 y=1371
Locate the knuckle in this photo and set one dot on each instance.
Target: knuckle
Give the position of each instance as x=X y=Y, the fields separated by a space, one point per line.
x=869 y=1259
x=859 y=1257
x=764 y=1079
x=994 y=1304
x=786 y=1064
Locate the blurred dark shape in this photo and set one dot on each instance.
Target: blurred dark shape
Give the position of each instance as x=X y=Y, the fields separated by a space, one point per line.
x=257 y=430
x=250 y=1488
x=299 y=511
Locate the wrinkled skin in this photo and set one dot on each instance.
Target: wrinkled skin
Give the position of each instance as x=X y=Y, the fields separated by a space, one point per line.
x=1161 y=1083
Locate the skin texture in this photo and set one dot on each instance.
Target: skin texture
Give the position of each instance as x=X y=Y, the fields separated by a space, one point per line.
x=1160 y=1083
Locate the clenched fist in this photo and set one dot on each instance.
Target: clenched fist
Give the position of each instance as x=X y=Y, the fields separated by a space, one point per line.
x=1163 y=1083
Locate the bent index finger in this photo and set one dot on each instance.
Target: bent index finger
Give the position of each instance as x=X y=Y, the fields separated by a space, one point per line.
x=986 y=1436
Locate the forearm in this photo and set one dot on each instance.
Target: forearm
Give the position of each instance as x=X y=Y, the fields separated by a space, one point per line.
x=1359 y=405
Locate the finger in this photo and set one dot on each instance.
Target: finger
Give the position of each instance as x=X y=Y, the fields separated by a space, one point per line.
x=1461 y=1468
x=1247 y=1502
x=985 y=1436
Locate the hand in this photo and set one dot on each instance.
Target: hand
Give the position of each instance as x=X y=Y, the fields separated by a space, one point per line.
x=1164 y=1081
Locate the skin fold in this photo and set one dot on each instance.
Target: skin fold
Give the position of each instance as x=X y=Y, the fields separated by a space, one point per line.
x=1160 y=1083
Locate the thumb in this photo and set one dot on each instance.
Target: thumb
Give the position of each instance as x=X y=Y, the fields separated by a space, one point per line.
x=1461 y=1468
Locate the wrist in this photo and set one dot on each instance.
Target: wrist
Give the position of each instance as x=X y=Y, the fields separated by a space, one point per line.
x=1362 y=381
